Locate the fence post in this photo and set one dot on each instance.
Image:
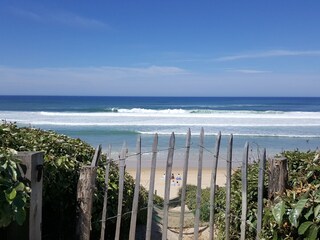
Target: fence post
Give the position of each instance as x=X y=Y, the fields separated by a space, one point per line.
x=121 y=186
x=184 y=183
x=262 y=165
x=34 y=164
x=278 y=176
x=244 y=191
x=167 y=186
x=85 y=188
x=228 y=186
x=133 y=222
x=105 y=199
x=198 y=197
x=151 y=186
x=213 y=185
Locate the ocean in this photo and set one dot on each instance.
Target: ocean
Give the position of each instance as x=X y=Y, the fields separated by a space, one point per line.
x=276 y=124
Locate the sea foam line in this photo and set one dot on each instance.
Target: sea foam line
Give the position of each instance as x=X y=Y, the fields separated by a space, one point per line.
x=175 y=124
x=180 y=113
x=234 y=134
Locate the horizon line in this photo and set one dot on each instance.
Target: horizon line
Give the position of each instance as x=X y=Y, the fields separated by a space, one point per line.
x=145 y=96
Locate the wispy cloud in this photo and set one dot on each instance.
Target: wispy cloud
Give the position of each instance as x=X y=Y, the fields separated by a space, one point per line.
x=59 y=17
x=268 y=54
x=247 y=71
x=106 y=80
x=105 y=72
x=153 y=81
x=73 y=20
x=27 y=14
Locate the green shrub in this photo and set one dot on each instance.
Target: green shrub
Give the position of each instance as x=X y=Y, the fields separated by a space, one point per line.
x=295 y=215
x=14 y=191
x=63 y=159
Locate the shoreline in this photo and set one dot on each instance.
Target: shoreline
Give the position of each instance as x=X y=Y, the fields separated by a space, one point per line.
x=174 y=188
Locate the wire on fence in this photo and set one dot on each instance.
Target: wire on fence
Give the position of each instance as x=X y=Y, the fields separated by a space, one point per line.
x=216 y=208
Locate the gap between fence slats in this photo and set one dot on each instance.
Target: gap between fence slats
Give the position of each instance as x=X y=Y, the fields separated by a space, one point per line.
x=198 y=197
x=120 y=194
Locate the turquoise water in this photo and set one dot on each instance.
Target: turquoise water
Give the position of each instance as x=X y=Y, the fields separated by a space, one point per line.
x=276 y=124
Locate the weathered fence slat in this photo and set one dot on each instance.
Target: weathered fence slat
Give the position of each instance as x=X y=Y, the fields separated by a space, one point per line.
x=262 y=166
x=85 y=188
x=213 y=185
x=184 y=183
x=278 y=176
x=133 y=222
x=34 y=164
x=151 y=186
x=96 y=156
x=244 y=180
x=121 y=186
x=105 y=199
x=228 y=186
x=199 y=180
x=167 y=186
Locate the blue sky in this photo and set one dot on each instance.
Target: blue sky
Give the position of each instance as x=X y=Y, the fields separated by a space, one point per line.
x=162 y=48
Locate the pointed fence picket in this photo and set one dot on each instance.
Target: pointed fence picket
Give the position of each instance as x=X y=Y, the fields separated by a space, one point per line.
x=151 y=186
x=213 y=185
x=184 y=183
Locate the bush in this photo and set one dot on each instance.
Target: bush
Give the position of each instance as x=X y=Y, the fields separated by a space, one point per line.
x=14 y=191
x=295 y=215
x=63 y=159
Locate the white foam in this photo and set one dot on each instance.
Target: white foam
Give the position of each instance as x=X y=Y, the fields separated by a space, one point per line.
x=266 y=123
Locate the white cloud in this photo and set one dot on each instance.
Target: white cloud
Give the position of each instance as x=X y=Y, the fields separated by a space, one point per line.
x=60 y=17
x=25 y=13
x=73 y=20
x=90 y=73
x=153 y=81
x=248 y=71
x=271 y=53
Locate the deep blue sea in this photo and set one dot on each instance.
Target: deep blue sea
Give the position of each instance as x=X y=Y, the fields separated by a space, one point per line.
x=276 y=124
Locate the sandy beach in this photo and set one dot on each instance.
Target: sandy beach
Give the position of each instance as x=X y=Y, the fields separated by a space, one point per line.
x=176 y=185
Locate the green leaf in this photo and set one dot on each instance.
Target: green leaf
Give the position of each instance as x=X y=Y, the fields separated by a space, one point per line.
x=5 y=216
x=5 y=165
x=313 y=232
x=10 y=196
x=20 y=187
x=20 y=216
x=316 y=210
x=309 y=213
x=304 y=227
x=59 y=161
x=296 y=212
x=19 y=202
x=278 y=211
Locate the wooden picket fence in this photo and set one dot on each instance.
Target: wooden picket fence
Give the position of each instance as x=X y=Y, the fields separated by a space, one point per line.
x=87 y=182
